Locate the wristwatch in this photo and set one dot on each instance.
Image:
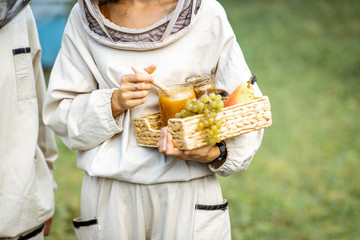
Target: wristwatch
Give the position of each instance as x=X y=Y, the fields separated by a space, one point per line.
x=223 y=153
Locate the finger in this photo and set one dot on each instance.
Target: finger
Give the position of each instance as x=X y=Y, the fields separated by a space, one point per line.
x=141 y=77
x=139 y=86
x=131 y=103
x=163 y=140
x=150 y=69
x=171 y=150
x=169 y=143
x=141 y=72
x=131 y=94
x=137 y=77
x=135 y=87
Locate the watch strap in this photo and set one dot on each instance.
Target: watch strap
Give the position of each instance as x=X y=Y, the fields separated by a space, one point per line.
x=223 y=153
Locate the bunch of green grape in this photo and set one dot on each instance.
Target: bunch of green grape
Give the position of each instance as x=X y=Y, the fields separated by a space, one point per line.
x=208 y=105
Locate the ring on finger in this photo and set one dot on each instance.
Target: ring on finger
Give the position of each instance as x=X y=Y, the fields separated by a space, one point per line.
x=135 y=87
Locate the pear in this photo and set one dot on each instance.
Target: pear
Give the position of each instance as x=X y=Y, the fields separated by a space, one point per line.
x=243 y=93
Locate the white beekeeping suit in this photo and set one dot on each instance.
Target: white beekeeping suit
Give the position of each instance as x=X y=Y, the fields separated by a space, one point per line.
x=27 y=146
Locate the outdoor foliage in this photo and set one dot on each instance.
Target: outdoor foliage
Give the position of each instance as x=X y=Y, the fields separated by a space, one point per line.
x=303 y=182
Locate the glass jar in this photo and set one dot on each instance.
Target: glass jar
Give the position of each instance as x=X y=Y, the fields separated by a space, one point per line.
x=201 y=84
x=173 y=101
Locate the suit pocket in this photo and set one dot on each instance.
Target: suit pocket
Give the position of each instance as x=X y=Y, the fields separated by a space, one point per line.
x=87 y=229
x=24 y=70
x=212 y=222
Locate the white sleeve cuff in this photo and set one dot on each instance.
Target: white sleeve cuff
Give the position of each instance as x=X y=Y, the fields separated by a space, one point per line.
x=241 y=150
x=115 y=123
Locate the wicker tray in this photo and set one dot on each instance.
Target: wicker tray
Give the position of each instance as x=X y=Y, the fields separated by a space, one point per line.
x=238 y=119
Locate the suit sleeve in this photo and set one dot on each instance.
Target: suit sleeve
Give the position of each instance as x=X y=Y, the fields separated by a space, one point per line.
x=75 y=108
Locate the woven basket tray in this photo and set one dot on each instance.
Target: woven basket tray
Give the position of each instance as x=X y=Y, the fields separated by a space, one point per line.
x=238 y=119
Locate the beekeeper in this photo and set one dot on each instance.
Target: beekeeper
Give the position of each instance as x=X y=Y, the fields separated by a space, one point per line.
x=128 y=191
x=27 y=146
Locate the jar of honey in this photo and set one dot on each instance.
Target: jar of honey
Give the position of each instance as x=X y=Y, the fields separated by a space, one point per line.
x=173 y=101
x=201 y=84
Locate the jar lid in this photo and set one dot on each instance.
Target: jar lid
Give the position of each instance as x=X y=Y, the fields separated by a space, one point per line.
x=198 y=78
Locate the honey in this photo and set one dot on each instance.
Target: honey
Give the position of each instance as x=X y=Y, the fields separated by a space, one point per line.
x=201 y=84
x=173 y=101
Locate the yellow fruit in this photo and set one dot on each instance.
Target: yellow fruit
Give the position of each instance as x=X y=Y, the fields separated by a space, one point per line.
x=243 y=93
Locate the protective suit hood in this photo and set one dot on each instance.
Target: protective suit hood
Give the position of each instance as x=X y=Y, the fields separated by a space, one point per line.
x=10 y=9
x=168 y=30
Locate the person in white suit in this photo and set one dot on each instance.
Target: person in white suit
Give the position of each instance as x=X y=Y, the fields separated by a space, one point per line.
x=128 y=191
x=27 y=146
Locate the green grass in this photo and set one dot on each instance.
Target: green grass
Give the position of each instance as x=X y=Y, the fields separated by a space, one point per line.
x=303 y=182
x=67 y=195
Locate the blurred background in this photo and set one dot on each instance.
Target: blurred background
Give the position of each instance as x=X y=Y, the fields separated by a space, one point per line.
x=304 y=181
x=51 y=17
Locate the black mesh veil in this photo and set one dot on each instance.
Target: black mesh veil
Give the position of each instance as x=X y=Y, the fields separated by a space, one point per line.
x=10 y=9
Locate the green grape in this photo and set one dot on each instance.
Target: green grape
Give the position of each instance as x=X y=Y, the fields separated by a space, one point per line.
x=218 y=98
x=209 y=106
x=200 y=106
x=214 y=128
x=213 y=104
x=207 y=110
x=206 y=123
x=204 y=98
x=188 y=106
x=207 y=115
x=216 y=139
x=211 y=141
x=211 y=121
x=220 y=105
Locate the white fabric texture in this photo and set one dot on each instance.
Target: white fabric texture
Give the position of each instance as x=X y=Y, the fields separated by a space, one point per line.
x=89 y=67
x=27 y=146
x=158 y=211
